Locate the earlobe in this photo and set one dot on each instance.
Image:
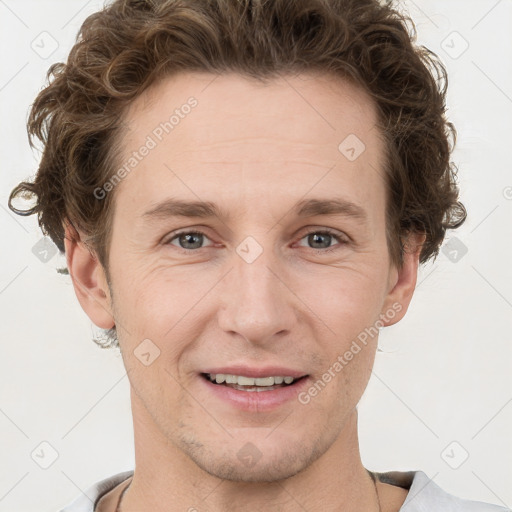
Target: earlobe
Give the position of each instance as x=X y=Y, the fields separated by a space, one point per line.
x=403 y=281
x=89 y=280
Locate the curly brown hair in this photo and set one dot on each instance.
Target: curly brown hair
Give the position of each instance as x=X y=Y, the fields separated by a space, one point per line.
x=131 y=44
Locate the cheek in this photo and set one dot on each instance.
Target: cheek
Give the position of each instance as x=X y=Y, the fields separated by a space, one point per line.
x=147 y=297
x=157 y=307
x=347 y=304
x=346 y=299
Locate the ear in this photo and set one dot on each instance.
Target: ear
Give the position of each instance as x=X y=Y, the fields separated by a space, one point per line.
x=402 y=281
x=89 y=279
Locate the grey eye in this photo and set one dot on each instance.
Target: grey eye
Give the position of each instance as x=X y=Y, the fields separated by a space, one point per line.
x=189 y=240
x=320 y=240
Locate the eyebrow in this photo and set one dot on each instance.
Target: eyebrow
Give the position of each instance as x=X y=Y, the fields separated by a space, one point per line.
x=206 y=209
x=180 y=208
x=342 y=207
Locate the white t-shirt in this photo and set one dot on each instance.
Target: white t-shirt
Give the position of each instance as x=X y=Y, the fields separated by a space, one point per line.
x=423 y=496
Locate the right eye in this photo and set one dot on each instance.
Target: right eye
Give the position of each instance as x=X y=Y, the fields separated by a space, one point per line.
x=188 y=240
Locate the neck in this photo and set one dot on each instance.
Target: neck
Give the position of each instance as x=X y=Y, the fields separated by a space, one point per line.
x=167 y=480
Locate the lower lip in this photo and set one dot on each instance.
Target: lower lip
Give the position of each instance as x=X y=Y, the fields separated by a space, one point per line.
x=257 y=401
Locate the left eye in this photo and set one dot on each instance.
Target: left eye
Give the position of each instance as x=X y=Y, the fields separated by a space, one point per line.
x=322 y=238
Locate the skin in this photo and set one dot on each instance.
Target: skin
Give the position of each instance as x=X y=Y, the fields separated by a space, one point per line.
x=255 y=150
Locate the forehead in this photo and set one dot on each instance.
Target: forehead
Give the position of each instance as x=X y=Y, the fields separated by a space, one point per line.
x=316 y=104
x=224 y=132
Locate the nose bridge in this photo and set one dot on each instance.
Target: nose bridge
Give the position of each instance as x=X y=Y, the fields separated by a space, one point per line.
x=257 y=305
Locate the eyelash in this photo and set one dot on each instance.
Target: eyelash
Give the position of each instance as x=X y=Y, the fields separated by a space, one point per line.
x=325 y=231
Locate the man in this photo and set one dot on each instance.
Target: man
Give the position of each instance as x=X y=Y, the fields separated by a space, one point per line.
x=244 y=191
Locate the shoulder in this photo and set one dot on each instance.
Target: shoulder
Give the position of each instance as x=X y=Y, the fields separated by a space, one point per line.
x=425 y=495
x=87 y=501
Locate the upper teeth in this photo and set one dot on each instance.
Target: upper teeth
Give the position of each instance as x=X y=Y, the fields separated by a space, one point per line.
x=219 y=378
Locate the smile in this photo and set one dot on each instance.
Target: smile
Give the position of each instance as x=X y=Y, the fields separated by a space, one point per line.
x=251 y=384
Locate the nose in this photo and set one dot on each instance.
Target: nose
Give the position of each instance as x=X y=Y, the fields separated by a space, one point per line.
x=256 y=303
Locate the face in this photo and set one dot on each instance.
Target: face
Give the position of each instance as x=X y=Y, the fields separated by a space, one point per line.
x=283 y=269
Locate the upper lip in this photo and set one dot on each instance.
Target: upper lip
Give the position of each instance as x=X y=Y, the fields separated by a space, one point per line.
x=265 y=371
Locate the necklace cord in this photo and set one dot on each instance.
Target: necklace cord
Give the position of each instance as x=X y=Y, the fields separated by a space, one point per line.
x=374 y=480
x=118 y=507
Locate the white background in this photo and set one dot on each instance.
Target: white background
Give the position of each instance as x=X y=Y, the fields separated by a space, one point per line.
x=444 y=373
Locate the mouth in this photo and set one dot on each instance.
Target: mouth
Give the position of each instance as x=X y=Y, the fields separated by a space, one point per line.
x=252 y=384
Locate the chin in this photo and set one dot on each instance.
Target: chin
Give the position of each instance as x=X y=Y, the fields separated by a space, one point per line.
x=251 y=465
x=268 y=472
